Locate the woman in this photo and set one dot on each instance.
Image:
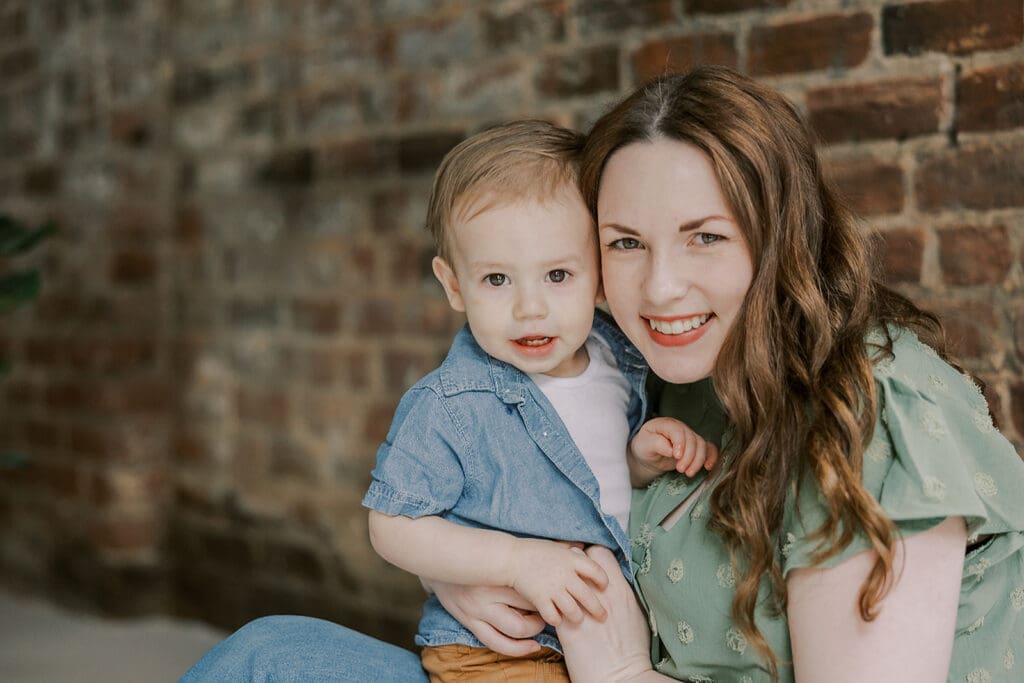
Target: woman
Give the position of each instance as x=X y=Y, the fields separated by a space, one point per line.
x=862 y=524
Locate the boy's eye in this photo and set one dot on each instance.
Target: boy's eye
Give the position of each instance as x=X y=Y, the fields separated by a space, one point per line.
x=496 y=279
x=625 y=243
x=707 y=237
x=558 y=276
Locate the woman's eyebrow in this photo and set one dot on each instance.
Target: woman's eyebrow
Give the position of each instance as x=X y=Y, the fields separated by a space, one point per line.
x=619 y=228
x=696 y=223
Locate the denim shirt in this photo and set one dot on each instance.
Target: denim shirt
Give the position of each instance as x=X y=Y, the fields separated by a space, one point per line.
x=477 y=443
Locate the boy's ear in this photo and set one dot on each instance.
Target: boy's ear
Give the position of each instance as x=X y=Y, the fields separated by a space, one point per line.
x=446 y=276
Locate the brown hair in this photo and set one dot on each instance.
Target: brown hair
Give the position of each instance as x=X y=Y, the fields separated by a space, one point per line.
x=529 y=158
x=794 y=373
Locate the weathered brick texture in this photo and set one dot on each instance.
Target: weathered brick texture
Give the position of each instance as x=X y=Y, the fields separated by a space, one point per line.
x=240 y=290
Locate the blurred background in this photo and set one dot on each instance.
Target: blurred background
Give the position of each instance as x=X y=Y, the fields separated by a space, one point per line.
x=238 y=289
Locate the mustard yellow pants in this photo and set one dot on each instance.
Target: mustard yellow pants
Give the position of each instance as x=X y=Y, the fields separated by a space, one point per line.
x=458 y=663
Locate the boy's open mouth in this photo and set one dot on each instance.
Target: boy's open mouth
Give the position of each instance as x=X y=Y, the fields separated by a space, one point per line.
x=533 y=341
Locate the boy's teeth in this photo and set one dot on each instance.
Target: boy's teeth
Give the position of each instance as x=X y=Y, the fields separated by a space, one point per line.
x=535 y=341
x=678 y=326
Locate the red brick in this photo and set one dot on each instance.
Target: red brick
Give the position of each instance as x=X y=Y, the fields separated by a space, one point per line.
x=727 y=6
x=91 y=442
x=533 y=26
x=403 y=368
x=870 y=186
x=827 y=42
x=292 y=459
x=69 y=396
x=666 y=55
x=377 y=316
x=129 y=127
x=424 y=151
x=968 y=327
x=866 y=111
x=133 y=268
x=135 y=224
x=294 y=561
x=975 y=255
x=288 y=167
x=599 y=16
x=190 y=449
x=18 y=63
x=112 y=356
x=411 y=263
x=42 y=434
x=142 y=396
x=189 y=227
x=264 y=406
x=60 y=479
x=122 y=533
x=900 y=252
x=991 y=98
x=954 y=26
x=45 y=352
x=588 y=71
x=978 y=177
x=13 y=25
x=378 y=421
x=356 y=159
x=318 y=317
x=42 y=179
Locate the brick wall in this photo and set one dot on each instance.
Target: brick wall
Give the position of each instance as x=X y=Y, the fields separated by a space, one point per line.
x=240 y=289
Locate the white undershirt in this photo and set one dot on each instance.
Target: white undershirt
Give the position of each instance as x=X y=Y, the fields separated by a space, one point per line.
x=593 y=406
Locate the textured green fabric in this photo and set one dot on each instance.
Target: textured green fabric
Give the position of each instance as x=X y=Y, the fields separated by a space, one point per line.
x=934 y=454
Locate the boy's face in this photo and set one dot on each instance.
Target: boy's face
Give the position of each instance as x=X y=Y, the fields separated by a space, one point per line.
x=527 y=276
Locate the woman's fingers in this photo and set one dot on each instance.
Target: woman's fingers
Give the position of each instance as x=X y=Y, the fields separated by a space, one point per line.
x=500 y=642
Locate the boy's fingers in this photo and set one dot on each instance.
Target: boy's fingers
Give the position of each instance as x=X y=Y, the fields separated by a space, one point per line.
x=700 y=453
x=591 y=570
x=569 y=608
x=549 y=612
x=712 y=456
x=589 y=601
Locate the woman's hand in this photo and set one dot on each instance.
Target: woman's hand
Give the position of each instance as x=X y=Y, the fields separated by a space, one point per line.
x=499 y=617
x=616 y=649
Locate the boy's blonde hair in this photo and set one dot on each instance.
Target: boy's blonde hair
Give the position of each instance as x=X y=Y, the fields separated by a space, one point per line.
x=523 y=159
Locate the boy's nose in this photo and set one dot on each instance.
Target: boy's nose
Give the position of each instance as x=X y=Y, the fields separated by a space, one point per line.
x=529 y=305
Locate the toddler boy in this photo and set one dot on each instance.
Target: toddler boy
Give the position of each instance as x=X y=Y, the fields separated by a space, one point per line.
x=519 y=439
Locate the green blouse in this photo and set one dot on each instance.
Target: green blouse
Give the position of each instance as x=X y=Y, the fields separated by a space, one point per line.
x=935 y=454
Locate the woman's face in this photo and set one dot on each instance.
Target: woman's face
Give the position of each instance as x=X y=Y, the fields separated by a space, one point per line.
x=676 y=268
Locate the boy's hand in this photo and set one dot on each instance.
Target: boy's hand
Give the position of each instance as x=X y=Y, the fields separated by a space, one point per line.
x=554 y=577
x=664 y=444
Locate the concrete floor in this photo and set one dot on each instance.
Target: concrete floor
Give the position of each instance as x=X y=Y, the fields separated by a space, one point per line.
x=42 y=643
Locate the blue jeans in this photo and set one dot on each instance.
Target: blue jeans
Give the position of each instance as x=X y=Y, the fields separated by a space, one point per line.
x=289 y=649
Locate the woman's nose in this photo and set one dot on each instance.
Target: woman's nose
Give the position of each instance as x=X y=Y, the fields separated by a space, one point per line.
x=666 y=280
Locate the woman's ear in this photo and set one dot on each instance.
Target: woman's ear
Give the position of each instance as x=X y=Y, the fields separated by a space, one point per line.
x=446 y=276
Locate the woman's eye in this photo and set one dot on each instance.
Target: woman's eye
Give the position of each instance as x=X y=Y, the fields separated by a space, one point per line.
x=496 y=279
x=625 y=243
x=558 y=276
x=705 y=238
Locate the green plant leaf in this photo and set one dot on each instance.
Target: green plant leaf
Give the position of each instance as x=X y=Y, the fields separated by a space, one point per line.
x=18 y=288
x=16 y=238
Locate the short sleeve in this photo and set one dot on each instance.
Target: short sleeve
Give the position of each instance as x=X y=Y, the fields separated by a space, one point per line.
x=934 y=454
x=419 y=471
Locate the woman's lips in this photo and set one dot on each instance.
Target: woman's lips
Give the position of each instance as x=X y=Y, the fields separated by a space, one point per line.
x=678 y=331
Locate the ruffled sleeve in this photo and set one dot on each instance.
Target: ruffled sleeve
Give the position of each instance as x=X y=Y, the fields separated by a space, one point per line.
x=935 y=453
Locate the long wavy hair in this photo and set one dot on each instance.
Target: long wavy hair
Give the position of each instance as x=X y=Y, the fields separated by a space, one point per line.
x=794 y=373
